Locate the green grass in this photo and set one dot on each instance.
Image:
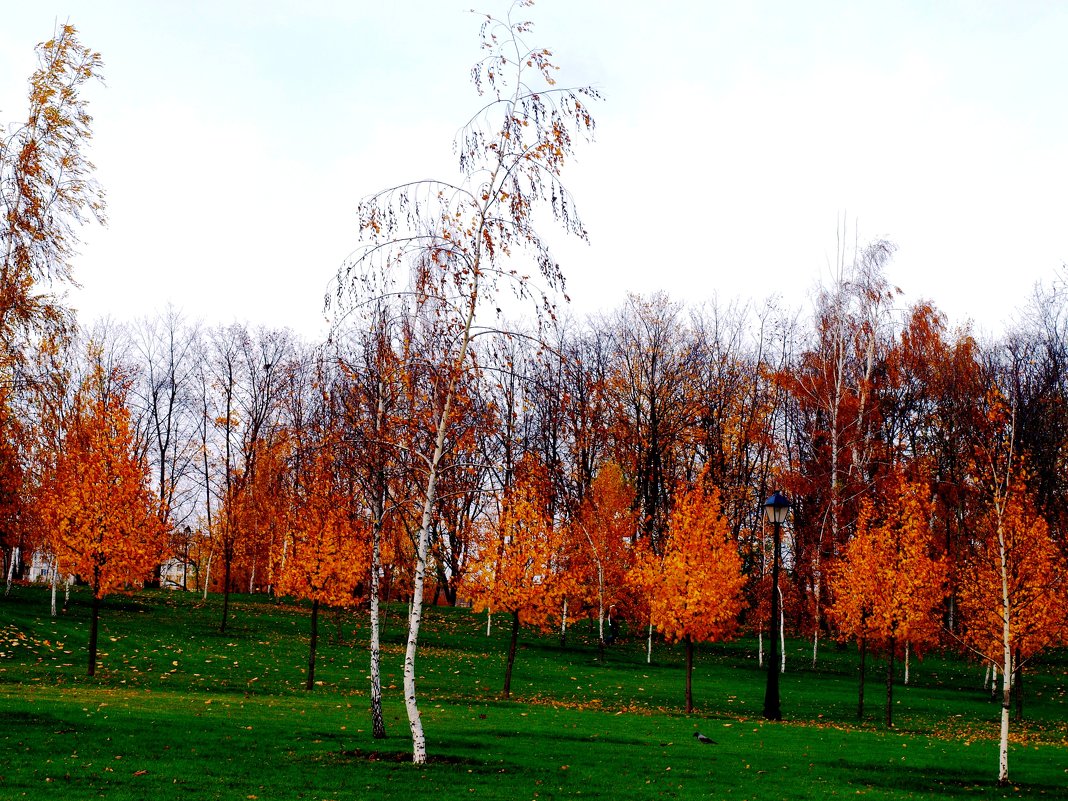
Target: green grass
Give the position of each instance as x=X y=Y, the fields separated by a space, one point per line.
x=178 y=710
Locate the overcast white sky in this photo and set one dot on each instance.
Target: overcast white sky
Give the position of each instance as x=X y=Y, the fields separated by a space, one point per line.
x=235 y=137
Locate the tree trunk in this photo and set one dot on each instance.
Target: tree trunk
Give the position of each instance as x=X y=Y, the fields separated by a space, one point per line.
x=890 y=685
x=649 y=646
x=689 y=674
x=1017 y=685
x=94 y=625
x=489 y=621
x=815 y=641
x=1006 y=706
x=313 y=642
x=907 y=652
x=1007 y=672
x=782 y=635
x=378 y=723
x=226 y=591
x=415 y=607
x=55 y=583
x=760 y=649
x=600 y=615
x=1006 y=655
x=207 y=575
x=863 y=671
x=512 y=644
x=66 y=591
x=11 y=569
x=563 y=624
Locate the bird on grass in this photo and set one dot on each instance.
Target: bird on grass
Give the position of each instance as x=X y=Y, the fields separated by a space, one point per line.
x=703 y=738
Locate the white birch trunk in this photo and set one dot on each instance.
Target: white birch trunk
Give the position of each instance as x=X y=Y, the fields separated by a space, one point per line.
x=207 y=575
x=66 y=590
x=907 y=651
x=816 y=633
x=415 y=610
x=1006 y=665
x=415 y=614
x=563 y=621
x=600 y=602
x=760 y=649
x=782 y=633
x=55 y=584
x=11 y=569
x=489 y=621
x=1006 y=703
x=649 y=647
x=377 y=721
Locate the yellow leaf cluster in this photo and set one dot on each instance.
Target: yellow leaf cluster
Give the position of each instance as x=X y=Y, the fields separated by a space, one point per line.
x=695 y=588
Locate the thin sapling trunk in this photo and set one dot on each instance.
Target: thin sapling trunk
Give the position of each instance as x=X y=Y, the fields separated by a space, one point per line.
x=312 y=644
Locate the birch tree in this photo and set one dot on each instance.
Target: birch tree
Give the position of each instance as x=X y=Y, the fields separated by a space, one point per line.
x=451 y=246
x=47 y=191
x=1012 y=578
x=1013 y=591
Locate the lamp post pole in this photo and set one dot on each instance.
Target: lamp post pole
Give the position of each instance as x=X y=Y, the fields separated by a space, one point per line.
x=775 y=510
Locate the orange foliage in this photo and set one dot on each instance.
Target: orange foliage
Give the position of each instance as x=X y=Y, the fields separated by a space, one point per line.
x=259 y=512
x=16 y=529
x=890 y=583
x=514 y=566
x=329 y=551
x=600 y=535
x=695 y=589
x=1035 y=573
x=103 y=519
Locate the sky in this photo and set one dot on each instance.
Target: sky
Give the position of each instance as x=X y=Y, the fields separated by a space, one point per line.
x=234 y=139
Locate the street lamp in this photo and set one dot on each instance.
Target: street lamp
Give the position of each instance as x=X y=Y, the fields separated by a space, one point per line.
x=775 y=510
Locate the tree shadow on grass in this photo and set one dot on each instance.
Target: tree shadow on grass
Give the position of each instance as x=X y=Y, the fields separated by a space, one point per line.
x=946 y=782
x=9 y=719
x=350 y=755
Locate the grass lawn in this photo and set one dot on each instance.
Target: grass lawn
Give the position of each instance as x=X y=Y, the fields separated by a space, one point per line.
x=179 y=711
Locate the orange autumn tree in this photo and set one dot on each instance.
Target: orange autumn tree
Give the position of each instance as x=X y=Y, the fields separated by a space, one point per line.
x=694 y=589
x=890 y=582
x=262 y=512
x=513 y=569
x=328 y=554
x=103 y=519
x=601 y=533
x=15 y=486
x=1013 y=590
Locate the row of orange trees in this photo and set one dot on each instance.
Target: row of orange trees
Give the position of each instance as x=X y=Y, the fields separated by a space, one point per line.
x=302 y=472
x=611 y=467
